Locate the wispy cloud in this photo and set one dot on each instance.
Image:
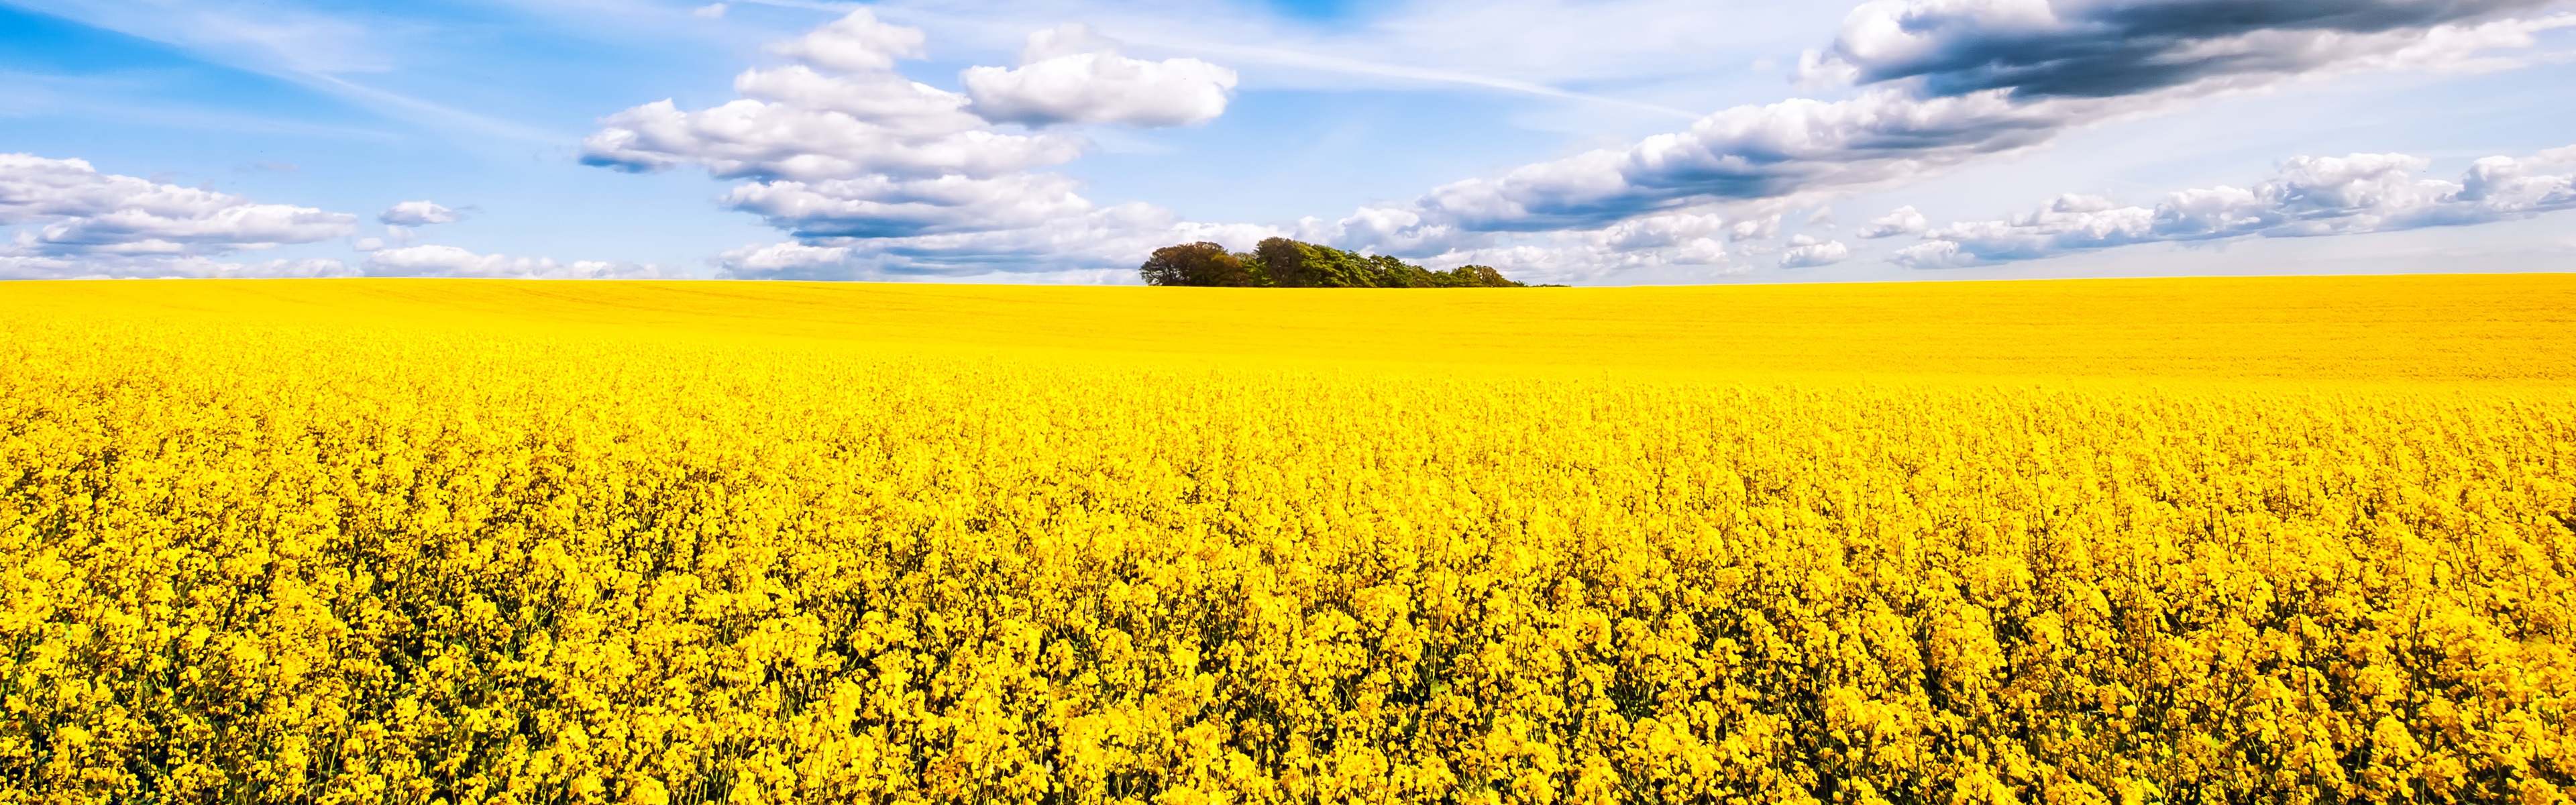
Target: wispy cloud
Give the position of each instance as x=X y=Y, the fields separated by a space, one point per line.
x=809 y=5
x=451 y=261
x=303 y=46
x=1537 y=48
x=432 y=115
x=130 y=99
x=1255 y=54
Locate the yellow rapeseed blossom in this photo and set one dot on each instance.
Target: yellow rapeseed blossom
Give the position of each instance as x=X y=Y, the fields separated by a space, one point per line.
x=2145 y=541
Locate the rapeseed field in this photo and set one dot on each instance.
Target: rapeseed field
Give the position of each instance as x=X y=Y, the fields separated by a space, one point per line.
x=2210 y=540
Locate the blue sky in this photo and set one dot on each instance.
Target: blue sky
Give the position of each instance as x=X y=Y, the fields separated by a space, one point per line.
x=1615 y=142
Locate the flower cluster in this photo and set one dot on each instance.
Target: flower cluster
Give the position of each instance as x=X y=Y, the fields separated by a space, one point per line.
x=334 y=565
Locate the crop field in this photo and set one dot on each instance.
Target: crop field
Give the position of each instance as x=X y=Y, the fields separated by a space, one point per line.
x=2271 y=540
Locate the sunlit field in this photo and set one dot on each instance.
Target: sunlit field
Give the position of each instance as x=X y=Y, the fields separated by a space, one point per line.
x=2185 y=540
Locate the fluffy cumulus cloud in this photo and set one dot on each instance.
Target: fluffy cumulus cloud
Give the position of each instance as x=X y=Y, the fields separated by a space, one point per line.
x=855 y=44
x=67 y=208
x=1942 y=83
x=1763 y=227
x=800 y=123
x=1903 y=221
x=876 y=175
x=1070 y=75
x=2310 y=196
x=1807 y=252
x=418 y=213
x=450 y=261
x=73 y=221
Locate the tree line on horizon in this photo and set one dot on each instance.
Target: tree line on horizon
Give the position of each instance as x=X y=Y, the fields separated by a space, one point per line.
x=1284 y=263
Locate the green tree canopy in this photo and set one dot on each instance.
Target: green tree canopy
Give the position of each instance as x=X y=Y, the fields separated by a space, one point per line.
x=1200 y=264
x=1285 y=263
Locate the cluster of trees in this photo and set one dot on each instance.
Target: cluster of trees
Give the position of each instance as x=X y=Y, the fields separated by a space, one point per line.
x=1284 y=263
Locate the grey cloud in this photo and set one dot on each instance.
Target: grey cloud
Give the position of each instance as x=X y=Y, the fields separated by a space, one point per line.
x=1741 y=154
x=2105 y=48
x=1946 y=83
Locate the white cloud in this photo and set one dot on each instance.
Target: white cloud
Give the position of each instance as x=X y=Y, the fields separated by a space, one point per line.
x=1065 y=39
x=1932 y=254
x=822 y=127
x=1669 y=230
x=884 y=206
x=2310 y=196
x=710 y=11
x=1573 y=257
x=418 y=213
x=1675 y=246
x=877 y=176
x=450 y=261
x=856 y=43
x=841 y=146
x=1392 y=230
x=1807 y=252
x=1903 y=221
x=1758 y=228
x=1068 y=74
x=841 y=113
x=75 y=219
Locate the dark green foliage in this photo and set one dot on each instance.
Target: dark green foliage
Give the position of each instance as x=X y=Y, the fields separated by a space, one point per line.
x=1479 y=277
x=1201 y=264
x=1284 y=263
